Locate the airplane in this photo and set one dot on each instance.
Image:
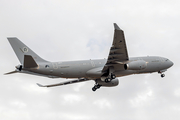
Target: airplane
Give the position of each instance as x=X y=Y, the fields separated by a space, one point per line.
x=103 y=71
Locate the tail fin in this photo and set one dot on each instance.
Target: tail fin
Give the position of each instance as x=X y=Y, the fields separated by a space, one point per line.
x=22 y=50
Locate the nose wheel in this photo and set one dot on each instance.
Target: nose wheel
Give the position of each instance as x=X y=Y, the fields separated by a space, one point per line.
x=162 y=75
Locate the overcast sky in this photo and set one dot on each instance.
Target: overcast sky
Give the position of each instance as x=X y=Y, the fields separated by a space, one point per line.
x=69 y=30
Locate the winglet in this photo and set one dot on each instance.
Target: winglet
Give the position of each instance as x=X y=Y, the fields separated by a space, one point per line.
x=116 y=27
x=40 y=85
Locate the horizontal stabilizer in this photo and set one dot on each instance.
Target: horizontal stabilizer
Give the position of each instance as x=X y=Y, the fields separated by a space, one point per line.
x=63 y=83
x=11 y=72
x=29 y=62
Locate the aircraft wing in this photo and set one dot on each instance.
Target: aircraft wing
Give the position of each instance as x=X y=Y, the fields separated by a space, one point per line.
x=118 y=51
x=63 y=83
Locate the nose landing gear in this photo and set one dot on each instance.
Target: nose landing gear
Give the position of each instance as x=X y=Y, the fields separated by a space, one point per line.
x=162 y=73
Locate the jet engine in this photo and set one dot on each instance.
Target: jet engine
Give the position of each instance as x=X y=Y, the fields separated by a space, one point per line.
x=135 y=65
x=113 y=82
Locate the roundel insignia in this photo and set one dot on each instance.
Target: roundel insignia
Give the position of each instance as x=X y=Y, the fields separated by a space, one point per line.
x=25 y=49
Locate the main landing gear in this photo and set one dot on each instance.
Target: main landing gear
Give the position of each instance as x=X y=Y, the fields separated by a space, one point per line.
x=108 y=79
x=111 y=76
x=96 y=86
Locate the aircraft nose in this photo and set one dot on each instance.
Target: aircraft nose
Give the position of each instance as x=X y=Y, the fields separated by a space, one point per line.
x=170 y=63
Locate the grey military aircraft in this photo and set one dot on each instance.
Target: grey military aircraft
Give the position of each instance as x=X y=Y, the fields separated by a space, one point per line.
x=103 y=71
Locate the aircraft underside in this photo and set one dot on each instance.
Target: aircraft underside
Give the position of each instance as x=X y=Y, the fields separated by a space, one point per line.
x=103 y=71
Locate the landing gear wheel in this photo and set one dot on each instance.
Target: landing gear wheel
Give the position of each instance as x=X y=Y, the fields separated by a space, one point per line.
x=109 y=79
x=162 y=75
x=113 y=76
x=93 y=89
x=98 y=86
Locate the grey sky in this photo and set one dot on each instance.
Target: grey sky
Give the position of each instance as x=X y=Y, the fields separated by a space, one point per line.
x=81 y=29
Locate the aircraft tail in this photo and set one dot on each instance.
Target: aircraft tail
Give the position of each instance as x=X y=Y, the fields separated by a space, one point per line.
x=26 y=56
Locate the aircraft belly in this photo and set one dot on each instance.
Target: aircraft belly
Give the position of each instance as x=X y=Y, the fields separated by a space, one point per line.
x=74 y=72
x=152 y=67
x=95 y=72
x=124 y=73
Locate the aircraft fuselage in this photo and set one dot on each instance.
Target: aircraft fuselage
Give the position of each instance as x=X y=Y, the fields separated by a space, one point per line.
x=93 y=68
x=102 y=71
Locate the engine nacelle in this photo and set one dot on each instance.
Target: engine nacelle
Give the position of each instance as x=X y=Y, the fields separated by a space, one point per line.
x=135 y=65
x=114 y=82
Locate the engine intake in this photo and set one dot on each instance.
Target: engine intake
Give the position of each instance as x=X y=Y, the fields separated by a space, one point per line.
x=135 y=65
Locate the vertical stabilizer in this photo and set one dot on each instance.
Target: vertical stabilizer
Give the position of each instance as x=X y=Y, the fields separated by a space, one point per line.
x=21 y=50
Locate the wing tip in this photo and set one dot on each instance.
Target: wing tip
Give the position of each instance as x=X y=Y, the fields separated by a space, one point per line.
x=40 y=85
x=116 y=27
x=11 y=72
x=12 y=38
